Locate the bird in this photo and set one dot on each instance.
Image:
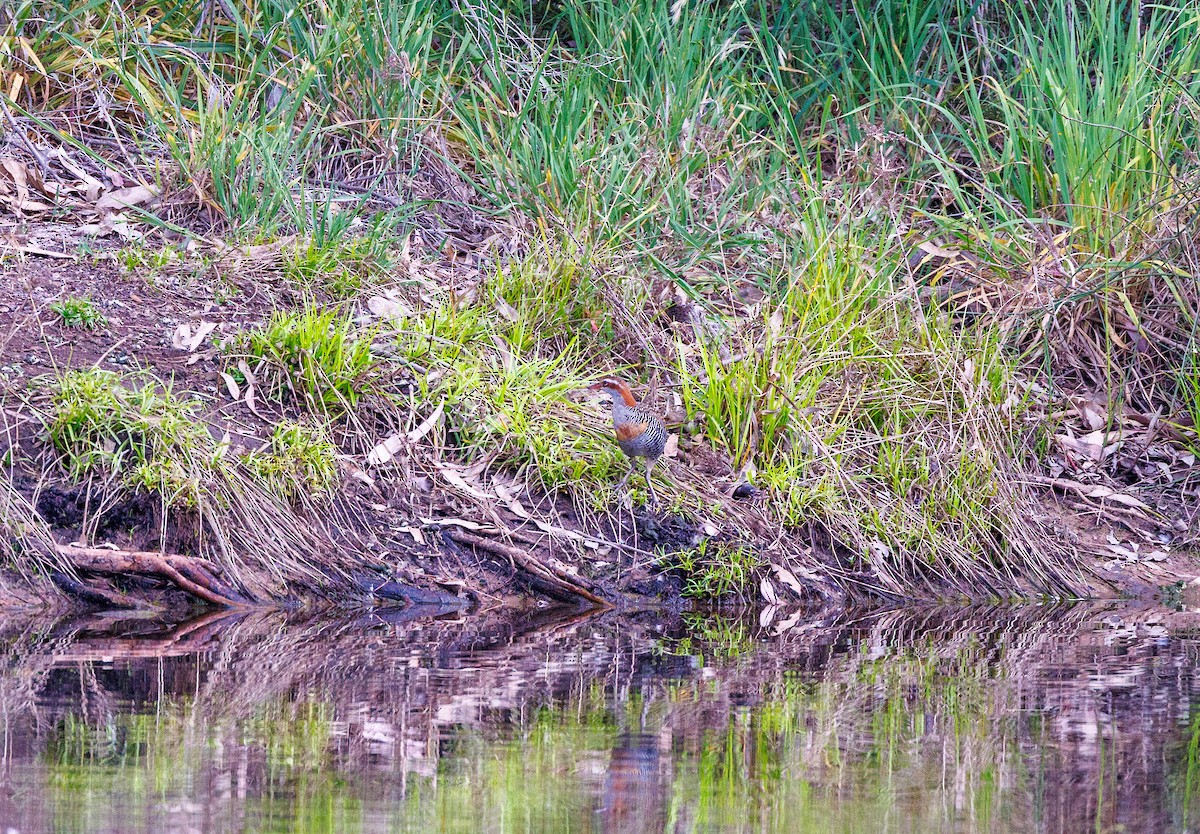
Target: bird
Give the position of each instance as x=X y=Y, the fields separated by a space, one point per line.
x=639 y=431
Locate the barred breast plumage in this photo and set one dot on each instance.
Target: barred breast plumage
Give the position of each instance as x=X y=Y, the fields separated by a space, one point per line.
x=640 y=432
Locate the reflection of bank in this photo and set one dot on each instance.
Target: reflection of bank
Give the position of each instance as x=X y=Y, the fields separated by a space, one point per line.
x=1043 y=719
x=1101 y=739
x=637 y=785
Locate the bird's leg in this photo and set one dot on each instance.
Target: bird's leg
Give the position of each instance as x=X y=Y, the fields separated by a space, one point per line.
x=650 y=486
x=625 y=480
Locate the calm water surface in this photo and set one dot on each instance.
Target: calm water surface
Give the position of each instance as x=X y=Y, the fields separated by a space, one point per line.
x=978 y=720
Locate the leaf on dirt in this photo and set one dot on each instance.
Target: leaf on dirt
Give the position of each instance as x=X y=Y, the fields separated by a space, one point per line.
x=460 y=522
x=89 y=187
x=1123 y=552
x=672 y=447
x=417 y=535
x=388 y=308
x=1092 y=415
x=185 y=339
x=506 y=310
x=768 y=591
x=458 y=482
x=511 y=500
x=385 y=450
x=125 y=198
x=417 y=434
x=37 y=250
x=231 y=386
x=931 y=248
x=364 y=479
x=789 y=579
x=112 y=224
x=1094 y=446
x=267 y=251
x=1105 y=493
x=249 y=376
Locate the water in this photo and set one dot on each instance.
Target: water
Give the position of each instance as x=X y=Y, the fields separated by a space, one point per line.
x=979 y=720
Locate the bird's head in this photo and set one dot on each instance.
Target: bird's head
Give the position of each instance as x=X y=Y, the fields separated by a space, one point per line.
x=615 y=389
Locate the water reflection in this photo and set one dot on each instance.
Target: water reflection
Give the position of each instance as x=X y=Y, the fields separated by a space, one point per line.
x=978 y=720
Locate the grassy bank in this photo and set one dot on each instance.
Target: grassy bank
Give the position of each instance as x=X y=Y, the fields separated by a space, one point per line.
x=910 y=269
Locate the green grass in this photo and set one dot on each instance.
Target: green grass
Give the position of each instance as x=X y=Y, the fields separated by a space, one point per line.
x=340 y=265
x=132 y=431
x=717 y=572
x=778 y=164
x=79 y=313
x=506 y=371
x=300 y=460
x=316 y=358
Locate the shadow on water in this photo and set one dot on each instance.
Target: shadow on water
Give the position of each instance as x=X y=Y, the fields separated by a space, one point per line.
x=1040 y=719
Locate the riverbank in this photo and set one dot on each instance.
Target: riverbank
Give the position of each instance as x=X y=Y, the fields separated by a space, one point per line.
x=319 y=315
x=133 y=435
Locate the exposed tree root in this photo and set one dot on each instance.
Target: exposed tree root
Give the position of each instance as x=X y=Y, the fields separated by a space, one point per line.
x=554 y=581
x=104 y=597
x=187 y=573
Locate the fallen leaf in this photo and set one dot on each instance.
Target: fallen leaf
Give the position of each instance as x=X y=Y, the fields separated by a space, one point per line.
x=249 y=376
x=125 y=198
x=672 y=448
x=231 y=386
x=459 y=483
x=506 y=310
x=388 y=308
x=511 y=500
x=459 y=522
x=789 y=579
x=385 y=450
x=427 y=424
x=931 y=248
x=36 y=250
x=185 y=339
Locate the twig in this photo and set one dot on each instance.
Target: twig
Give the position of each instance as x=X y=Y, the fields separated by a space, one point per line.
x=22 y=138
x=551 y=578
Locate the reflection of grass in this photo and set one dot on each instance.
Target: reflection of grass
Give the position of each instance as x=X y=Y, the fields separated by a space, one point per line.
x=140 y=764
x=711 y=635
x=863 y=746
